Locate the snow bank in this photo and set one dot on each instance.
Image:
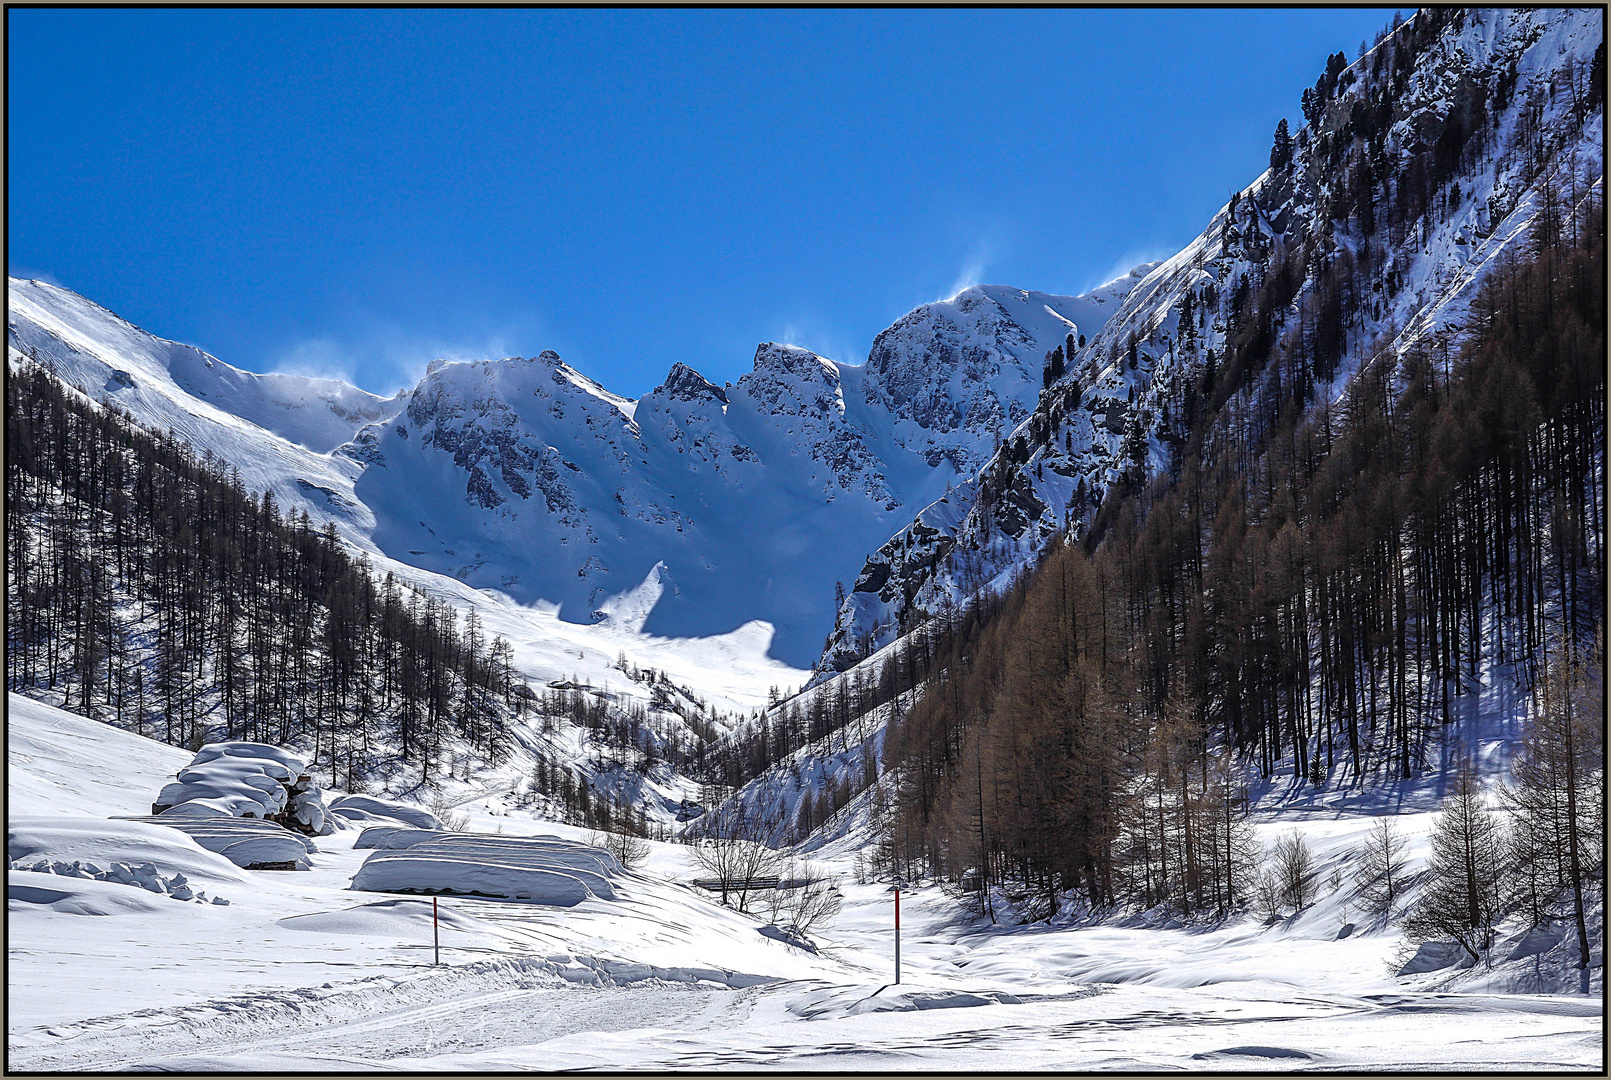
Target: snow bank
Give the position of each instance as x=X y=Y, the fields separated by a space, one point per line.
x=101 y=843
x=77 y=896
x=367 y=809
x=255 y=845
x=248 y=780
x=544 y=871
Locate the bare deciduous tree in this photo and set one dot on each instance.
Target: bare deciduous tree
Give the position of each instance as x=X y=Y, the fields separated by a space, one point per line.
x=629 y=849
x=1463 y=889
x=1381 y=866
x=810 y=901
x=729 y=849
x=1290 y=880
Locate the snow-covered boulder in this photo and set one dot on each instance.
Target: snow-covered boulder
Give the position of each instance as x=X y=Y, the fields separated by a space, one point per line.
x=362 y=810
x=248 y=780
x=542 y=870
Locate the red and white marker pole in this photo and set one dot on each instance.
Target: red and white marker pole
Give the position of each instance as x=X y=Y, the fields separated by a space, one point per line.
x=436 y=937
x=897 y=935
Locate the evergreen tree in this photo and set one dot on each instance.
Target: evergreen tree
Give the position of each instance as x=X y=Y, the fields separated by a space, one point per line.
x=1281 y=152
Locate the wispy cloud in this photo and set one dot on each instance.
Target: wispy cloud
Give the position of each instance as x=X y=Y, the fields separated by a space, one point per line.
x=29 y=273
x=973 y=268
x=822 y=338
x=1127 y=262
x=384 y=358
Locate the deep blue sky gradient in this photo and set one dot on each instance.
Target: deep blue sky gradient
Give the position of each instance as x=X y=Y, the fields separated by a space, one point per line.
x=360 y=191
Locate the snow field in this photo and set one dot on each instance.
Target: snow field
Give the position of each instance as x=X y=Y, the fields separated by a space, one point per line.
x=302 y=972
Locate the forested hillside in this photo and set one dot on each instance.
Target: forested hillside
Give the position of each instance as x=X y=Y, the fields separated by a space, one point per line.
x=1314 y=585
x=1415 y=171
x=149 y=588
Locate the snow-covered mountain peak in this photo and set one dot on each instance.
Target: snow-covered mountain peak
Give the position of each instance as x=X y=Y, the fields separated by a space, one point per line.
x=105 y=357
x=683 y=383
x=773 y=358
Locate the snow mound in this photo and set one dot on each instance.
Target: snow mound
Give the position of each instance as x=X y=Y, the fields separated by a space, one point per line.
x=557 y=872
x=390 y=838
x=1267 y=1052
x=255 y=845
x=404 y=919
x=143 y=876
x=77 y=896
x=1435 y=956
x=366 y=809
x=249 y=780
x=101 y=843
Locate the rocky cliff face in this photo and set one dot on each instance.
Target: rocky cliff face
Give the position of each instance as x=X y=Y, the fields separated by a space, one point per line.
x=1419 y=165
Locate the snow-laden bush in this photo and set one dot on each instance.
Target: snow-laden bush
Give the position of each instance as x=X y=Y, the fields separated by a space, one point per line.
x=248 y=780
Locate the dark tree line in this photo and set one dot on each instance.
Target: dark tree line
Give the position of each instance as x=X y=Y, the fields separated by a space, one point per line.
x=148 y=587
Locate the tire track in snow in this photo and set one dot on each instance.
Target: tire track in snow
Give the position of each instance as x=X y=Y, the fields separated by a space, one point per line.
x=376 y=1003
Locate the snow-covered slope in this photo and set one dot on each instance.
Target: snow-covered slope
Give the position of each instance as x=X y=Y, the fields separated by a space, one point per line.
x=277 y=430
x=60 y=763
x=1500 y=91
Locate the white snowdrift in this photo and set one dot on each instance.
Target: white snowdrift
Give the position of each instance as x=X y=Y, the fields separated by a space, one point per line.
x=836 y=1002
x=101 y=843
x=256 y=845
x=406 y=920
x=364 y=810
x=544 y=871
x=79 y=896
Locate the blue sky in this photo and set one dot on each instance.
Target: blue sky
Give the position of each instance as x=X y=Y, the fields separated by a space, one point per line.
x=357 y=192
